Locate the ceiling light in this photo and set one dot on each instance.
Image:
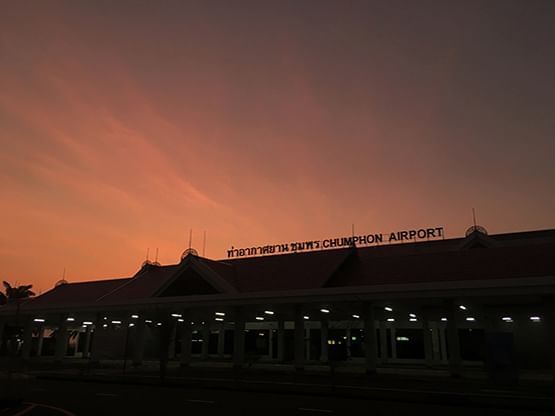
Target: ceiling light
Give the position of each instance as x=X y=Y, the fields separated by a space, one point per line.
x=38 y=320
x=535 y=318
x=462 y=307
x=356 y=316
x=412 y=315
x=70 y=319
x=177 y=315
x=389 y=309
x=259 y=318
x=306 y=317
x=269 y=312
x=134 y=316
x=220 y=313
x=87 y=323
x=470 y=319
x=413 y=319
x=323 y=310
x=444 y=319
x=390 y=319
x=219 y=319
x=116 y=322
x=507 y=319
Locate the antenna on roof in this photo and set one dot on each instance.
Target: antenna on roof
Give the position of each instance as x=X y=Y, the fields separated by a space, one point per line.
x=353 y=234
x=190 y=238
x=204 y=244
x=64 y=274
x=156 y=259
x=474 y=217
x=147 y=253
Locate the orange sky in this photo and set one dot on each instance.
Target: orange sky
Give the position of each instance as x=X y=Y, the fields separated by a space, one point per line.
x=124 y=124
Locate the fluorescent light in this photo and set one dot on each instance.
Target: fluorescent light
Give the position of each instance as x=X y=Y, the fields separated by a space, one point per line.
x=323 y=310
x=259 y=318
x=116 y=322
x=177 y=315
x=159 y=324
x=181 y=320
x=70 y=319
x=444 y=319
x=220 y=313
x=470 y=319
x=535 y=318
x=134 y=316
x=38 y=320
x=507 y=319
x=389 y=309
x=148 y=321
x=87 y=323
x=462 y=307
x=269 y=312
x=131 y=324
x=219 y=319
x=306 y=317
x=356 y=316
x=413 y=319
x=402 y=339
x=390 y=319
x=412 y=315
x=105 y=326
x=261 y=334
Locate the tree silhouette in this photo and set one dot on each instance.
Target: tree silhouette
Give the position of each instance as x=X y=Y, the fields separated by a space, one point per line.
x=14 y=293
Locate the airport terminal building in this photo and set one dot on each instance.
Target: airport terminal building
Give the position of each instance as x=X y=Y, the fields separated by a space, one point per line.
x=478 y=300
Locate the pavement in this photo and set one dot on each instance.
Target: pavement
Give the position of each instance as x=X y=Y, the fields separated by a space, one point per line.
x=416 y=386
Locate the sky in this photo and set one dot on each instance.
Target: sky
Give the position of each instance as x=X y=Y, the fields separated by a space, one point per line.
x=125 y=124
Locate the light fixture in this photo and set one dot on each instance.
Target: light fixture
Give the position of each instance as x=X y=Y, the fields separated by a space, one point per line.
x=323 y=310
x=507 y=319
x=413 y=319
x=402 y=339
x=220 y=313
x=356 y=316
x=87 y=323
x=159 y=324
x=269 y=312
x=38 y=320
x=535 y=318
x=219 y=319
x=177 y=315
x=134 y=316
x=462 y=307
x=412 y=315
x=131 y=325
x=105 y=326
x=259 y=318
x=70 y=319
x=470 y=318
x=116 y=322
x=390 y=319
x=181 y=320
x=261 y=334
x=306 y=317
x=444 y=319
x=148 y=321
x=389 y=309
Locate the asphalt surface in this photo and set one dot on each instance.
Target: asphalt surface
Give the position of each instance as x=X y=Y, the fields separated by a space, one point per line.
x=58 y=397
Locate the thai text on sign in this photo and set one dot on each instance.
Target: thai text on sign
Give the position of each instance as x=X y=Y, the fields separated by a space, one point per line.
x=329 y=243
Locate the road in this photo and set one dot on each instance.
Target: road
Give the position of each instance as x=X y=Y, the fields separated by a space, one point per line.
x=71 y=398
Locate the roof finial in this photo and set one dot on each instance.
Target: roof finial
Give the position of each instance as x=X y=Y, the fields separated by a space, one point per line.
x=190 y=238
x=204 y=244
x=474 y=217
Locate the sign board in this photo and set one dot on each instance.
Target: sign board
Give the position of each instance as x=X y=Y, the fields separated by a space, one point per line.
x=337 y=242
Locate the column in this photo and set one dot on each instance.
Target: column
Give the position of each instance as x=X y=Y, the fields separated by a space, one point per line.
x=87 y=344
x=76 y=350
x=393 y=336
x=324 y=334
x=549 y=312
x=271 y=343
x=281 y=340
x=205 y=341
x=454 y=348
x=239 y=339
x=186 y=339
x=299 y=338
x=307 y=342
x=2 y=326
x=436 y=351
x=61 y=340
x=427 y=336
x=138 y=341
x=348 y=343
x=95 y=345
x=370 y=347
x=442 y=344
x=173 y=337
x=40 y=341
x=383 y=343
x=221 y=340
x=27 y=339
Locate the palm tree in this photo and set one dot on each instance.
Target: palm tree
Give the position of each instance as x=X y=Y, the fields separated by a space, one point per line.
x=15 y=293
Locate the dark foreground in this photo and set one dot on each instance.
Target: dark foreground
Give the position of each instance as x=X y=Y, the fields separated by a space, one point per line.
x=60 y=397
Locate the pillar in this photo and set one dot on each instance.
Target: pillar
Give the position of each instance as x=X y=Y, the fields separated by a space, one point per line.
x=2 y=326
x=221 y=340
x=61 y=340
x=27 y=339
x=324 y=334
x=94 y=347
x=281 y=340
x=186 y=339
x=442 y=344
x=205 y=341
x=239 y=338
x=348 y=342
x=307 y=342
x=454 y=348
x=139 y=341
x=427 y=337
x=87 y=344
x=383 y=343
x=299 y=338
x=271 y=343
x=393 y=335
x=370 y=347
x=40 y=341
x=549 y=317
